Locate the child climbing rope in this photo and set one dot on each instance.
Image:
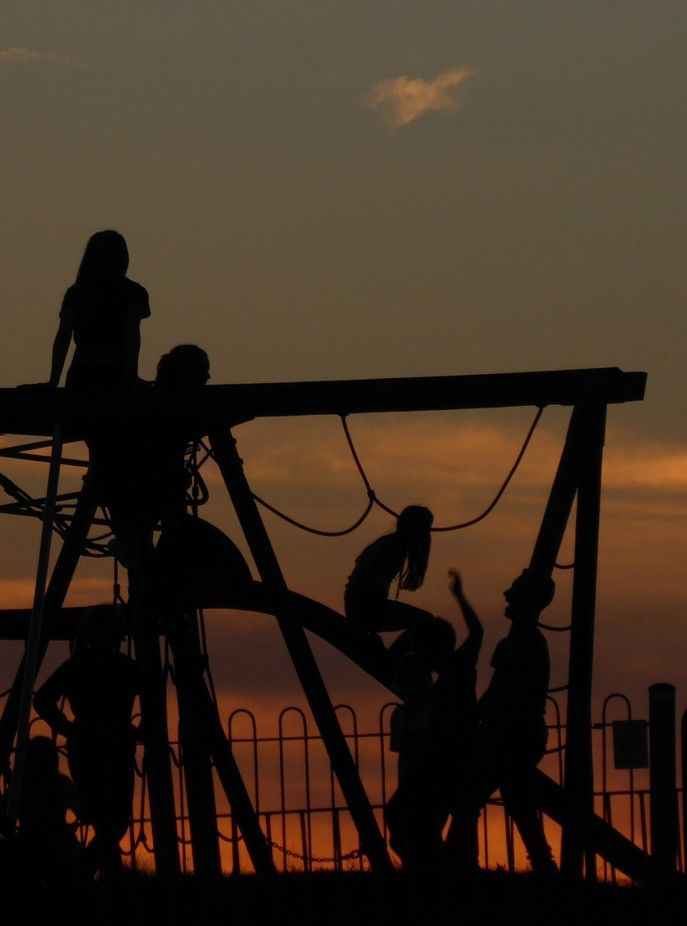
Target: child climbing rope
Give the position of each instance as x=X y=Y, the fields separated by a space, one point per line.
x=102 y=313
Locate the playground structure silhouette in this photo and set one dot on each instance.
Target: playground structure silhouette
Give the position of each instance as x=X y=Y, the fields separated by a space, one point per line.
x=205 y=580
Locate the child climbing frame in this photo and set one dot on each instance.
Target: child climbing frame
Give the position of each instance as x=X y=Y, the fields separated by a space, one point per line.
x=221 y=408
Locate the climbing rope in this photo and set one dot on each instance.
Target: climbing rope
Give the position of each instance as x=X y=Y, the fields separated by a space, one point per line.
x=490 y=507
x=100 y=545
x=198 y=495
x=373 y=499
x=314 y=530
x=25 y=504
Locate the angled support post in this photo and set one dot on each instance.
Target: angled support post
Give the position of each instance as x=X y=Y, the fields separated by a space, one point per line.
x=234 y=787
x=33 y=641
x=579 y=770
x=204 y=743
x=561 y=497
x=231 y=467
x=55 y=593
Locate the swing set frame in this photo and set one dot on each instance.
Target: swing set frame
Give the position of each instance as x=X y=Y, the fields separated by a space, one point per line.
x=62 y=415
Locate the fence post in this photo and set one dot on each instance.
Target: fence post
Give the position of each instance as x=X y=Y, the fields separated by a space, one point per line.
x=683 y=763
x=662 y=776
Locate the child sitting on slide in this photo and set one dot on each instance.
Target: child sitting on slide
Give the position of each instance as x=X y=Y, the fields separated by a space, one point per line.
x=403 y=553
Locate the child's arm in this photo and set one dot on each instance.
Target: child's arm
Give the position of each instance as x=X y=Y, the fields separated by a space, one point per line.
x=47 y=697
x=132 y=343
x=472 y=622
x=59 y=348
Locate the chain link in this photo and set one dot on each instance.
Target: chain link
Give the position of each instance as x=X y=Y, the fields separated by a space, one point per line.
x=317 y=859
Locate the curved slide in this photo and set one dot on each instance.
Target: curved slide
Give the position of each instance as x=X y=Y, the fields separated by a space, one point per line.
x=197 y=565
x=217 y=576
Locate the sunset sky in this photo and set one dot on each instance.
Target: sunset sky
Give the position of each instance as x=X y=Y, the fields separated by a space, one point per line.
x=320 y=189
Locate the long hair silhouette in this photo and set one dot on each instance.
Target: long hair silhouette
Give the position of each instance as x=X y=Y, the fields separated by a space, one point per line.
x=105 y=257
x=414 y=527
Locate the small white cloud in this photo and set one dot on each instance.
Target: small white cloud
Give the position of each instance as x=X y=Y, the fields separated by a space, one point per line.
x=401 y=100
x=16 y=55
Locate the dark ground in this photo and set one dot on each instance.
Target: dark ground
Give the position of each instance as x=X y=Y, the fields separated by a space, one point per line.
x=494 y=898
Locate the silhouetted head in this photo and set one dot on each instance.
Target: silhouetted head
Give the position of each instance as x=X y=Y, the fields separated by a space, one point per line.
x=434 y=642
x=413 y=526
x=412 y=678
x=186 y=366
x=42 y=759
x=529 y=594
x=106 y=257
x=102 y=630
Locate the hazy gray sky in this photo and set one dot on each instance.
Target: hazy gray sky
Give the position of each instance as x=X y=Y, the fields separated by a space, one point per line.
x=277 y=218
x=330 y=189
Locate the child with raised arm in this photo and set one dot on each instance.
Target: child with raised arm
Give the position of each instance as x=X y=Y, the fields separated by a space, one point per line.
x=417 y=812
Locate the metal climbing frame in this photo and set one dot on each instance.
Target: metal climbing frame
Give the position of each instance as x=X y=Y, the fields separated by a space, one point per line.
x=35 y=411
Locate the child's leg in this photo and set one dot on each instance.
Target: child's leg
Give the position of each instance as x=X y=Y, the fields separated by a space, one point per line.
x=397 y=615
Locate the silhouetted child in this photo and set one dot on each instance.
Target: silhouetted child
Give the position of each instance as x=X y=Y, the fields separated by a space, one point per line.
x=410 y=723
x=454 y=696
x=45 y=842
x=102 y=313
x=512 y=734
x=141 y=470
x=403 y=554
x=101 y=685
x=417 y=812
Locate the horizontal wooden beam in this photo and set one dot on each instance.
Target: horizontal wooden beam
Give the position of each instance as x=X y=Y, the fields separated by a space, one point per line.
x=328 y=624
x=33 y=409
x=60 y=625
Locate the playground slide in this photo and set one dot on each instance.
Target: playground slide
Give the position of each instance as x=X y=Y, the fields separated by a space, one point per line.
x=201 y=567
x=602 y=838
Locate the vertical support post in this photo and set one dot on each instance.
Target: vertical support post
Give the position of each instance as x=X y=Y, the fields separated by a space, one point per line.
x=33 y=642
x=683 y=766
x=579 y=772
x=663 y=777
x=193 y=736
x=155 y=734
x=205 y=742
x=231 y=467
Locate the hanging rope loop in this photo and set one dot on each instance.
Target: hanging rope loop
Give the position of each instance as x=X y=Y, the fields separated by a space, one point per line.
x=373 y=498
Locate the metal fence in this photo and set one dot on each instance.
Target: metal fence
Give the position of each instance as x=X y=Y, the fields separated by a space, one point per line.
x=308 y=825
